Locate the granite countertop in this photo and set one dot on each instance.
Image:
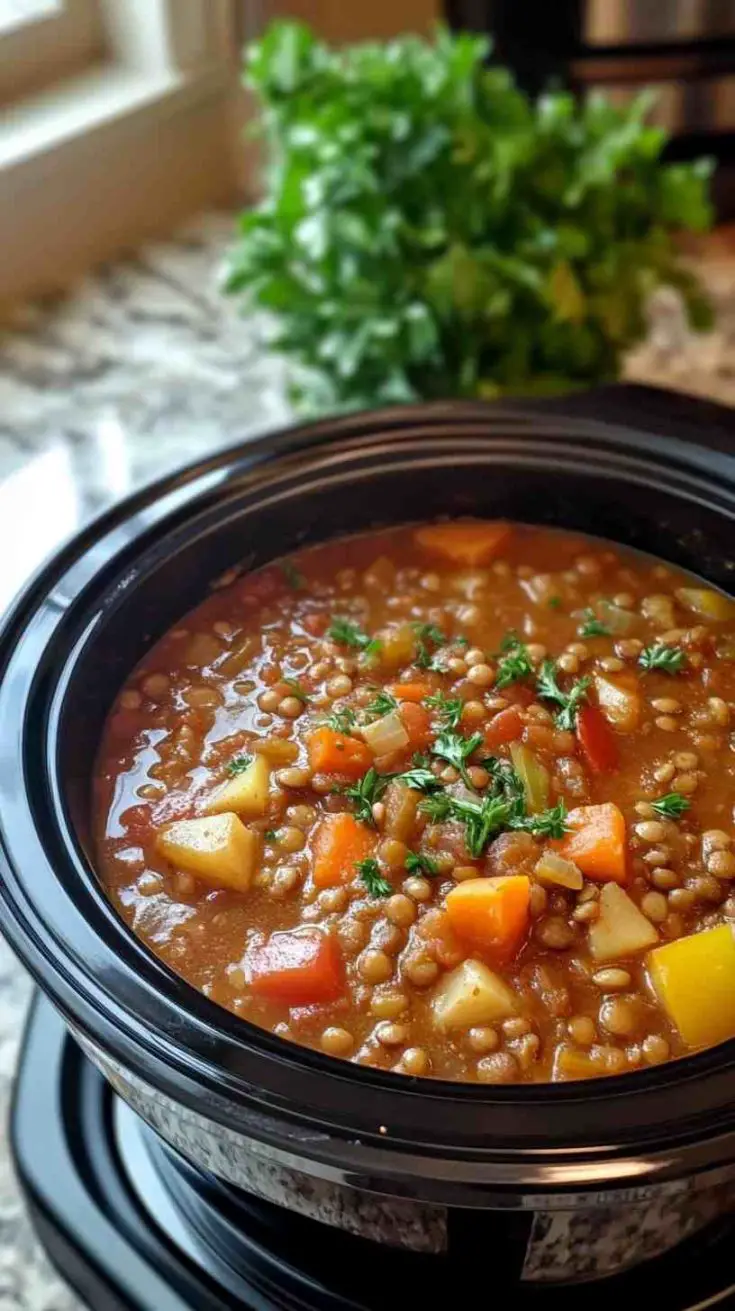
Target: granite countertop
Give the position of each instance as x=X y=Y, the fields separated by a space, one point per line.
x=141 y=369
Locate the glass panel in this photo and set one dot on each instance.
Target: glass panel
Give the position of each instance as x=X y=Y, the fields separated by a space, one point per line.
x=13 y=13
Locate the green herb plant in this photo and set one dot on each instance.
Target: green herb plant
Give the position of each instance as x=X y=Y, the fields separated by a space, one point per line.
x=426 y=230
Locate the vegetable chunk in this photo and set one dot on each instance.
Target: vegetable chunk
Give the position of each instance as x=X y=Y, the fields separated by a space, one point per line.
x=622 y=929
x=465 y=543
x=471 y=994
x=298 y=968
x=339 y=844
x=246 y=794
x=492 y=914
x=694 y=979
x=336 y=753
x=596 y=842
x=218 y=849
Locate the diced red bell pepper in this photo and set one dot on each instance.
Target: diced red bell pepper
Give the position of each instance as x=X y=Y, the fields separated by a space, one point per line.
x=597 y=740
x=297 y=968
x=506 y=726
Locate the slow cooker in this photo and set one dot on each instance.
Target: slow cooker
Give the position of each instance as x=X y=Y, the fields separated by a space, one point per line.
x=545 y=1183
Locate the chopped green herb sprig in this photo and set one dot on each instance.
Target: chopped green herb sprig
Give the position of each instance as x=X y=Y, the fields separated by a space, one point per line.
x=369 y=871
x=669 y=659
x=671 y=806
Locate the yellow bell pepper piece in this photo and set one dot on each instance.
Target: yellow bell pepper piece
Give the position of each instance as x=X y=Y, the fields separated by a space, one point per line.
x=218 y=849
x=694 y=979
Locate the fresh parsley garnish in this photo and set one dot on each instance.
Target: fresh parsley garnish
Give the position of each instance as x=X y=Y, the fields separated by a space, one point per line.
x=238 y=765
x=456 y=750
x=383 y=704
x=548 y=824
x=669 y=659
x=270 y=834
x=292 y=575
x=461 y=641
x=482 y=818
x=448 y=710
x=369 y=871
x=591 y=626
x=419 y=863
x=547 y=687
x=344 y=632
x=428 y=638
x=420 y=778
x=296 y=689
x=365 y=794
x=554 y=603
x=671 y=806
x=342 y=721
x=515 y=662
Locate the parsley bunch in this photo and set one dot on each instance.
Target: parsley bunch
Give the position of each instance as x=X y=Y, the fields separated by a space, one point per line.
x=417 y=203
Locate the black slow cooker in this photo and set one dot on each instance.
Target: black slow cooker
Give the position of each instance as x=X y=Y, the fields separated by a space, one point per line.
x=606 y=1173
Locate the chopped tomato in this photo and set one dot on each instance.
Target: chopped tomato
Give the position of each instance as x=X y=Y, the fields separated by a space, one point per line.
x=597 y=741
x=504 y=727
x=298 y=968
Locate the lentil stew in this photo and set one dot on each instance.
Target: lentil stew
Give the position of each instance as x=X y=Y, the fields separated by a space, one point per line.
x=453 y=800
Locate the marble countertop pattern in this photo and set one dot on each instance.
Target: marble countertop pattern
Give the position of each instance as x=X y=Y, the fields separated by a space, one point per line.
x=143 y=368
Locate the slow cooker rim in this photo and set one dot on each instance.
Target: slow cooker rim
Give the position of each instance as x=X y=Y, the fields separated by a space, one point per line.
x=270 y=446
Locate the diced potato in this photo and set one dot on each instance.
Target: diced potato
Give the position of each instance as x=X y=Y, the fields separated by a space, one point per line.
x=276 y=750
x=386 y=734
x=533 y=775
x=556 y=872
x=401 y=811
x=398 y=646
x=619 y=621
x=706 y=603
x=621 y=705
x=202 y=649
x=571 y=1063
x=246 y=794
x=471 y=994
x=622 y=929
x=694 y=979
x=218 y=849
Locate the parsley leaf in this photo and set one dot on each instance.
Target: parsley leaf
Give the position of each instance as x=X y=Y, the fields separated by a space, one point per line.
x=671 y=806
x=670 y=659
x=369 y=871
x=346 y=633
x=270 y=834
x=548 y=824
x=420 y=778
x=591 y=626
x=419 y=863
x=554 y=603
x=514 y=664
x=449 y=711
x=292 y=575
x=382 y=705
x=238 y=765
x=483 y=817
x=428 y=636
x=456 y=750
x=342 y=721
x=297 y=690
x=365 y=794
x=548 y=688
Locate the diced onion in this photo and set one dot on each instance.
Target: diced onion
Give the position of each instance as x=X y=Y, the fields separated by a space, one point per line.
x=386 y=734
x=555 y=871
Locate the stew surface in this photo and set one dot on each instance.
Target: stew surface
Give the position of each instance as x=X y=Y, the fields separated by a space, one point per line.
x=454 y=800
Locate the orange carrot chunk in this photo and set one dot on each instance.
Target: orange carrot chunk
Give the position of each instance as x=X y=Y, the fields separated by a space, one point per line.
x=596 y=842
x=338 y=844
x=417 y=723
x=337 y=753
x=492 y=915
x=504 y=727
x=410 y=691
x=469 y=543
x=298 y=968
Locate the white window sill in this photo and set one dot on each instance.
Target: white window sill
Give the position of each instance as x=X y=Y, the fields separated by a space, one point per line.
x=99 y=99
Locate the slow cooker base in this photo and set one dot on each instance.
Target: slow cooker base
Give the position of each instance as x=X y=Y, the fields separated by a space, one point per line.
x=131 y=1225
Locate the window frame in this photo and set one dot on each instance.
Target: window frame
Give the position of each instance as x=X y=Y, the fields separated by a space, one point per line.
x=43 y=47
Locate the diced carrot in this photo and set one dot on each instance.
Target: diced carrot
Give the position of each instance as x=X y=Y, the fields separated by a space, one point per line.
x=504 y=727
x=410 y=691
x=296 y=968
x=596 y=842
x=339 y=843
x=337 y=753
x=597 y=740
x=417 y=723
x=469 y=543
x=492 y=915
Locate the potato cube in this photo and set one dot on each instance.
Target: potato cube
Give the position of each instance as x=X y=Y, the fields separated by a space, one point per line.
x=245 y=794
x=694 y=979
x=471 y=994
x=622 y=929
x=619 y=703
x=218 y=849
